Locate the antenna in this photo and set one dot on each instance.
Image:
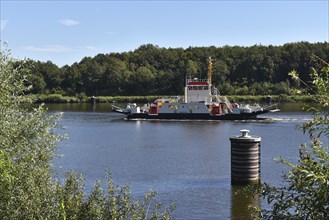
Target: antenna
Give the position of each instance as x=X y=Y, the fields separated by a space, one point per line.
x=209 y=70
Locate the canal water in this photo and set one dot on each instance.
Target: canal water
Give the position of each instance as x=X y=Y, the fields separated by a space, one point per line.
x=186 y=162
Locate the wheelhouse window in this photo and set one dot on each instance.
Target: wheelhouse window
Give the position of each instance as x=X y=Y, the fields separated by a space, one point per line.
x=198 y=87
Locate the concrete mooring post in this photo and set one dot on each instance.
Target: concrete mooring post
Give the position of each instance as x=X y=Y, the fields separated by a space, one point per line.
x=93 y=100
x=93 y=103
x=245 y=158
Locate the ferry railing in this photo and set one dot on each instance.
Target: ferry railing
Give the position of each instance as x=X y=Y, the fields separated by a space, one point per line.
x=196 y=80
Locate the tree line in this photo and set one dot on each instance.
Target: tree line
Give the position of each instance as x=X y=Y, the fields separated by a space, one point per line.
x=28 y=186
x=29 y=190
x=152 y=70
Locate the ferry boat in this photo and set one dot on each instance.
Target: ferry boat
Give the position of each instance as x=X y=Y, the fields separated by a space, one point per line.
x=201 y=102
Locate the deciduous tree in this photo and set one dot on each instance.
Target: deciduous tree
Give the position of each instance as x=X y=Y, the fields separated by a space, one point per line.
x=305 y=193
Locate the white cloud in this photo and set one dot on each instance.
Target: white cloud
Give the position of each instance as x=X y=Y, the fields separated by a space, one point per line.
x=69 y=22
x=89 y=48
x=3 y=24
x=49 y=48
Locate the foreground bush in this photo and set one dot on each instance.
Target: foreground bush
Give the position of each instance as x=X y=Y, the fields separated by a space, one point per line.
x=114 y=203
x=27 y=145
x=305 y=193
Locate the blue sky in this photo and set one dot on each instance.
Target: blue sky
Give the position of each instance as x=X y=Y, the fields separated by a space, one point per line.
x=66 y=31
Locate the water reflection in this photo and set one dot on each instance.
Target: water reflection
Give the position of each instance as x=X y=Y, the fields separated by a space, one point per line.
x=185 y=162
x=240 y=203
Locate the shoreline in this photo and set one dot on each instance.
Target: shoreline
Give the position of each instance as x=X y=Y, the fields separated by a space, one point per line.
x=58 y=98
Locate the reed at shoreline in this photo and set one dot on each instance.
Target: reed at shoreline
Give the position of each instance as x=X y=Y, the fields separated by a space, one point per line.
x=58 y=98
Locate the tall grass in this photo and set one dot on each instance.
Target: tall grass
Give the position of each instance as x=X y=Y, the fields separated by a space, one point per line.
x=58 y=98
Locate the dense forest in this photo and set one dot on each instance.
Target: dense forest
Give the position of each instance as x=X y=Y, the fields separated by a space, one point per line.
x=152 y=70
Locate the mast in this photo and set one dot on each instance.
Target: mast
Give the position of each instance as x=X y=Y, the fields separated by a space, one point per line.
x=209 y=70
x=185 y=90
x=210 y=78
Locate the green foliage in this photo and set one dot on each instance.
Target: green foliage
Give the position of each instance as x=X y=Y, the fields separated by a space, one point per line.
x=115 y=203
x=27 y=145
x=127 y=99
x=305 y=193
x=55 y=98
x=80 y=98
x=151 y=70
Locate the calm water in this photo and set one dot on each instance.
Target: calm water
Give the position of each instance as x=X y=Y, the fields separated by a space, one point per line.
x=186 y=162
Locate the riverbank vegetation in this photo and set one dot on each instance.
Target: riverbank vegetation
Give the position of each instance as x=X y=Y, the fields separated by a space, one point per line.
x=28 y=139
x=58 y=98
x=29 y=190
x=154 y=71
x=305 y=192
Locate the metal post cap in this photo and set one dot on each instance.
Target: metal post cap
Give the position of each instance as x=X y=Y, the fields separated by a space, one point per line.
x=244 y=133
x=245 y=137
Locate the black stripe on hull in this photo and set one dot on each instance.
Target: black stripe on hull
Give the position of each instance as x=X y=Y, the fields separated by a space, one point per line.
x=195 y=116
